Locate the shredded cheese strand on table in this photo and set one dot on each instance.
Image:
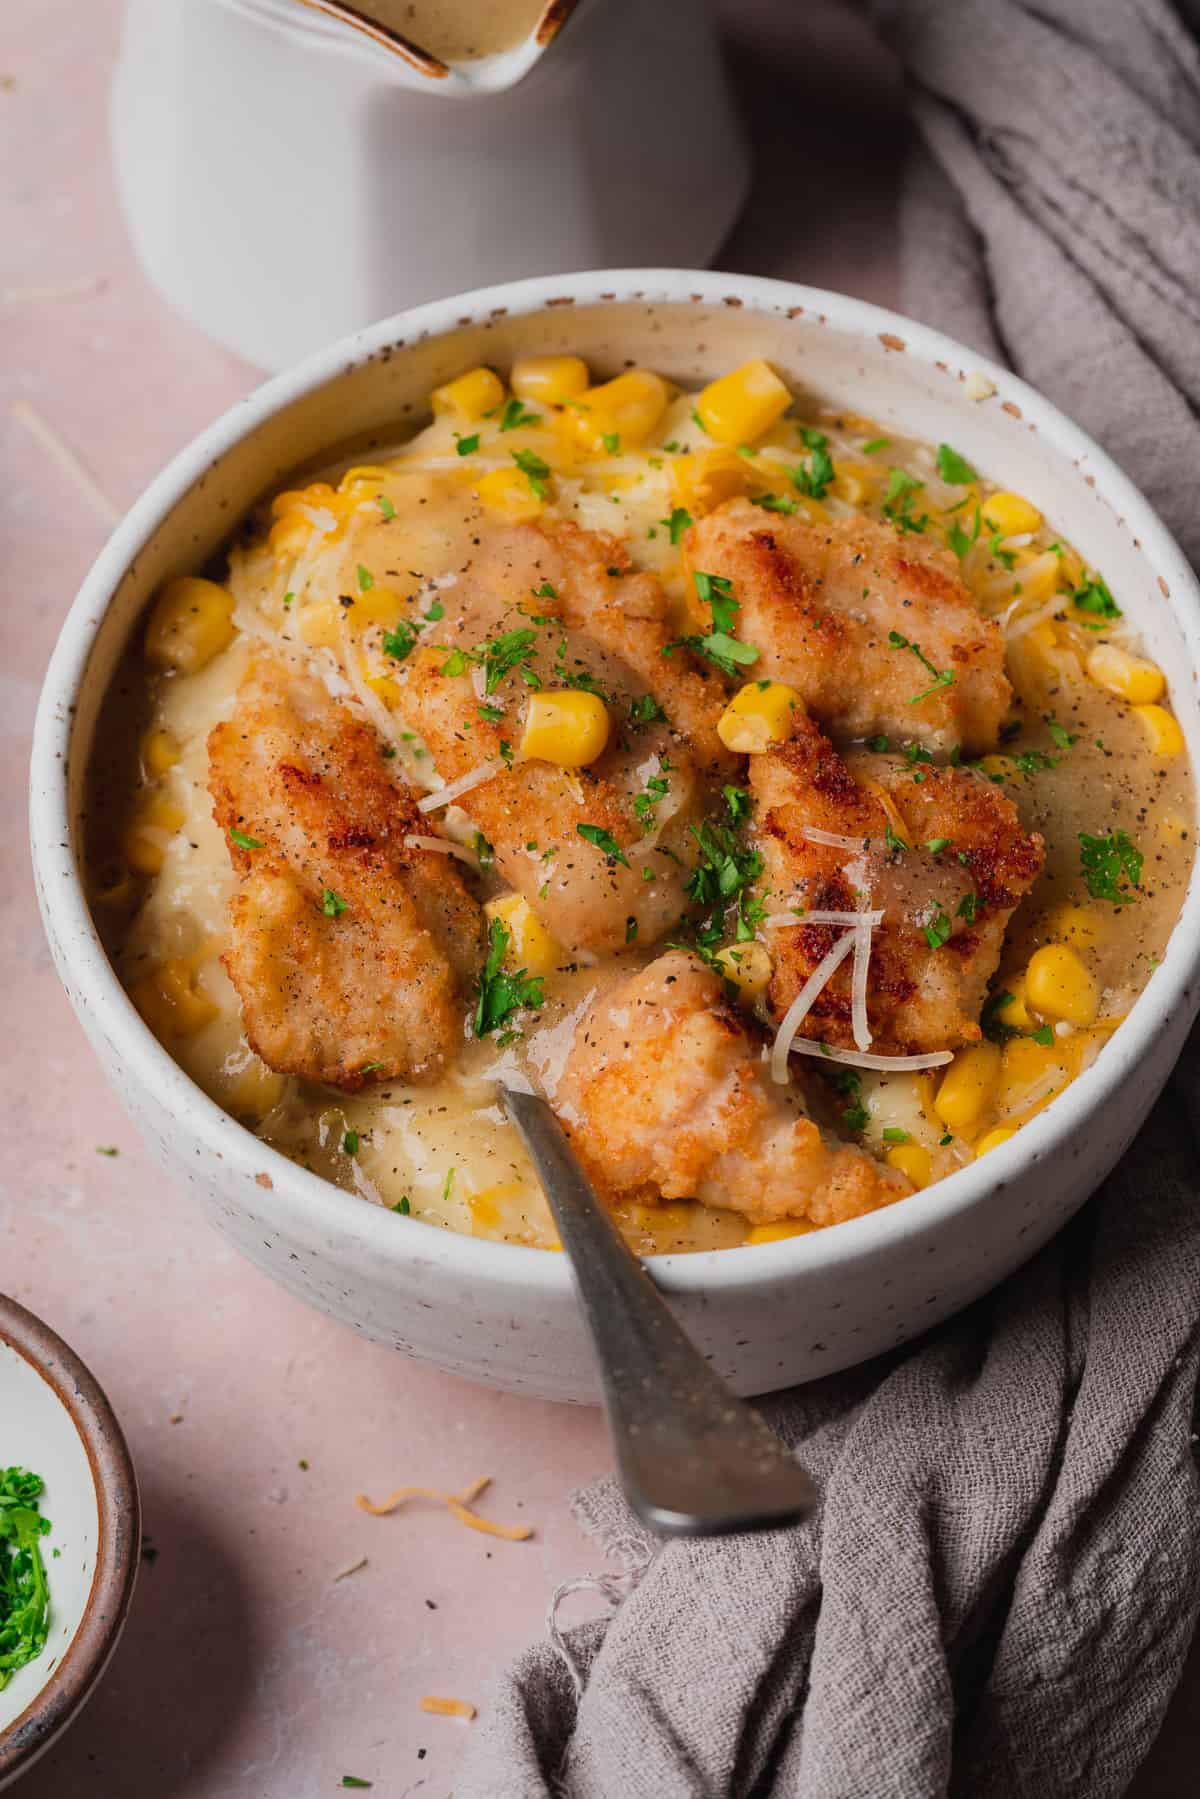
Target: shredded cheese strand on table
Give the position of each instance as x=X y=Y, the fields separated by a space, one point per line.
x=457 y=1504
x=447 y=1708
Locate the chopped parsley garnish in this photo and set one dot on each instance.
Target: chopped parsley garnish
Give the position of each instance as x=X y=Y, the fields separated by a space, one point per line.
x=941 y=677
x=657 y=787
x=776 y=502
x=993 y=1025
x=366 y=579
x=402 y=1206
x=645 y=710
x=893 y=1134
x=501 y=994
x=954 y=468
x=878 y=744
x=1093 y=596
x=350 y=1143
x=958 y=539
x=612 y=442
x=1044 y=1035
x=723 y=650
x=287 y=600
x=813 y=477
x=332 y=904
x=876 y=444
x=243 y=841
x=515 y=415
x=1006 y=558
x=107 y=1149
x=436 y=611
x=722 y=877
x=603 y=840
x=400 y=643
x=938 y=930
x=1034 y=762
x=385 y=506
x=355 y=1780
x=897 y=502
x=467 y=446
x=631 y=929
x=848 y=1082
x=679 y=521
x=968 y=907
x=502 y=654
x=24 y=1595
x=535 y=470
x=1112 y=866
x=896 y=845
x=935 y=845
x=1062 y=737
x=738 y=801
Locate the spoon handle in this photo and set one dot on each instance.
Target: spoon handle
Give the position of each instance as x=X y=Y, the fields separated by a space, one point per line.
x=693 y=1458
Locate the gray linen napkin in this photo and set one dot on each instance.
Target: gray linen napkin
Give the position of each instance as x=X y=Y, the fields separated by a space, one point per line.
x=999 y=1591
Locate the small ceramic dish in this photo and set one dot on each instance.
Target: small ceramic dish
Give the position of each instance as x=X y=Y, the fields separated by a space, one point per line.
x=55 y=1420
x=770 y=1314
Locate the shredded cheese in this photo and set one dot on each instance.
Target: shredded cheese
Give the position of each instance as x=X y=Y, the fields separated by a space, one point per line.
x=441 y=847
x=835 y=840
x=802 y=1005
x=457 y=1504
x=817 y=917
x=808 y=1046
x=445 y=796
x=447 y=1708
x=858 y=986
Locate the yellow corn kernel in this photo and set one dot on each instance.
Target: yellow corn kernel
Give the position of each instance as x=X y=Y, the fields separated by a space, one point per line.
x=487 y=1206
x=144 y=839
x=385 y=689
x=369 y=475
x=628 y=407
x=530 y=944
x=1163 y=735
x=1059 y=986
x=1010 y=515
x=1015 y=1012
x=914 y=1160
x=757 y=716
x=1039 y=573
x=702 y=481
x=994 y=1138
x=564 y=726
x=549 y=380
x=255 y=1090
x=775 y=1233
x=190 y=623
x=320 y=625
x=739 y=407
x=1031 y=1074
x=967 y=1087
x=377 y=606
x=1080 y=926
x=171 y=1002
x=471 y=395
x=1131 y=678
x=116 y=889
x=506 y=491
x=159 y=751
x=747 y=965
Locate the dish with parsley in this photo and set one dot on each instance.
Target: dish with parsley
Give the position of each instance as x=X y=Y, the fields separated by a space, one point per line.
x=789 y=805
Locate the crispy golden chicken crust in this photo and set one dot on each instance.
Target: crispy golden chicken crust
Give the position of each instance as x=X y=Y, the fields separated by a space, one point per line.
x=555 y=583
x=819 y=602
x=351 y=953
x=665 y=1094
x=922 y=995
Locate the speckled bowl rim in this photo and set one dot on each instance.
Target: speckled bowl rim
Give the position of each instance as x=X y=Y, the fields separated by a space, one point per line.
x=299 y=1199
x=118 y=1539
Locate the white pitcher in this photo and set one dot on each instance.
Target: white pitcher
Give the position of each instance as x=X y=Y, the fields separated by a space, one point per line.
x=289 y=174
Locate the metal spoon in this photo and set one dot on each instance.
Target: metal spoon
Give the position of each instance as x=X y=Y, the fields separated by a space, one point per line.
x=693 y=1458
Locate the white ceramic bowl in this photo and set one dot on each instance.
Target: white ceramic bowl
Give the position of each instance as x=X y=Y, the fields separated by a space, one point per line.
x=768 y=1315
x=55 y=1420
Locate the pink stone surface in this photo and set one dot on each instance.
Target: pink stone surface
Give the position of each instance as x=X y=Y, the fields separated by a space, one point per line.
x=247 y=1668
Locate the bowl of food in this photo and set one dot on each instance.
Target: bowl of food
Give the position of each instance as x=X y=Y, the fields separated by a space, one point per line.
x=69 y=1536
x=731 y=709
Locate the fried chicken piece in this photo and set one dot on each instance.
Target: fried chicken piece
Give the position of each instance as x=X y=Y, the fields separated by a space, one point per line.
x=351 y=953
x=588 y=620
x=966 y=865
x=820 y=602
x=665 y=1094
